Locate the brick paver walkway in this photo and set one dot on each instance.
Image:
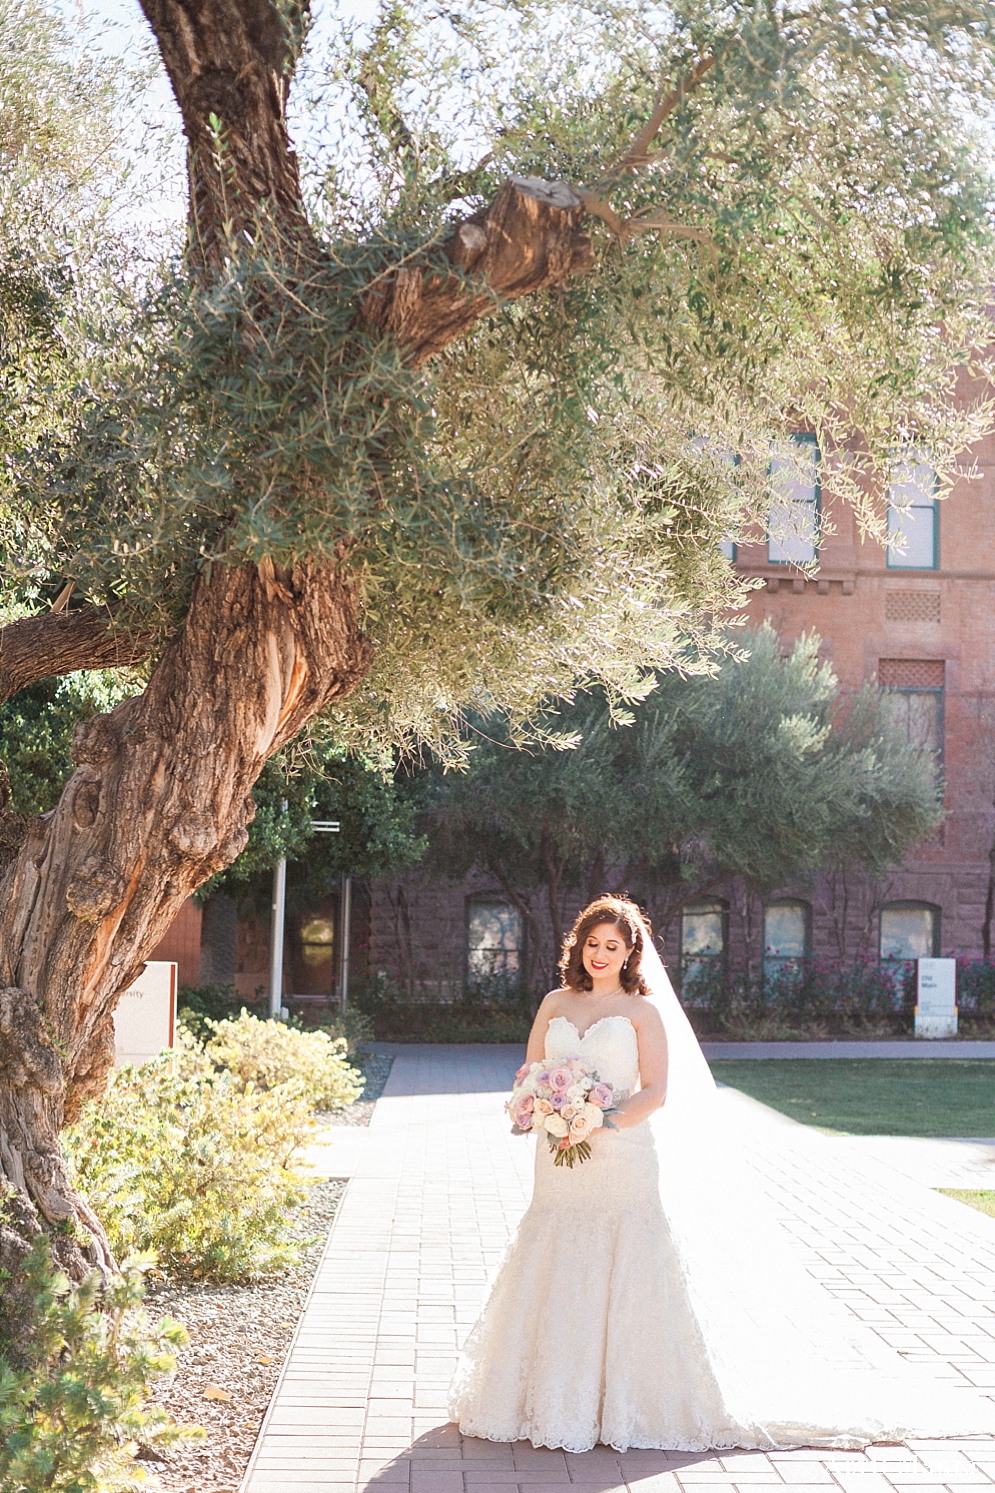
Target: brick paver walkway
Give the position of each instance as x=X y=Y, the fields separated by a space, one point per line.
x=438 y=1186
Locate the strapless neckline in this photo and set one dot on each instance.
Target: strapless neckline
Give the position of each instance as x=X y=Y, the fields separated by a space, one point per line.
x=594 y=1024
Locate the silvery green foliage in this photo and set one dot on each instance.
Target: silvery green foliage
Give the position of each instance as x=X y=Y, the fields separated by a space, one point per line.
x=545 y=501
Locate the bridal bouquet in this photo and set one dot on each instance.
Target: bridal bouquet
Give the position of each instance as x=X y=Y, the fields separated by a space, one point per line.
x=564 y=1102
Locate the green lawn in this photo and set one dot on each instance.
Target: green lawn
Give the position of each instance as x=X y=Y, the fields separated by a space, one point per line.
x=872 y=1096
x=983 y=1201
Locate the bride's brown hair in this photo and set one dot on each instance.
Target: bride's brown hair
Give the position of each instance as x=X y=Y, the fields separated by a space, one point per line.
x=626 y=917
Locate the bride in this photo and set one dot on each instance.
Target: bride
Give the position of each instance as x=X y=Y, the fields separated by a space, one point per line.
x=649 y=1299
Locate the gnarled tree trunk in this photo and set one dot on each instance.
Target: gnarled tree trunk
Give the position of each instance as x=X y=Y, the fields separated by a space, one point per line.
x=160 y=801
x=162 y=792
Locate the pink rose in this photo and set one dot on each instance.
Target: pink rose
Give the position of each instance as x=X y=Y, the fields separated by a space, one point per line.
x=525 y=1104
x=560 y=1080
x=522 y=1073
x=523 y=1117
x=601 y=1095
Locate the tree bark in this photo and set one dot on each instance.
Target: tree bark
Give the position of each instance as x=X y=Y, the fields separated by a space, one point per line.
x=554 y=873
x=56 y=643
x=160 y=801
x=230 y=63
x=530 y=238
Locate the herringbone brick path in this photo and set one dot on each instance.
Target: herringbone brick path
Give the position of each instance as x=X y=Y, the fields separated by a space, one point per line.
x=438 y=1188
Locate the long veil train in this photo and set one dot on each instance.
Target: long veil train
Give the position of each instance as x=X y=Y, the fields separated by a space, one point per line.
x=791 y=1361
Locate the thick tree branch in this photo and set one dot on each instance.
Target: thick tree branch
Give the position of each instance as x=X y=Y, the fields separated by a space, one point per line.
x=529 y=239
x=58 y=643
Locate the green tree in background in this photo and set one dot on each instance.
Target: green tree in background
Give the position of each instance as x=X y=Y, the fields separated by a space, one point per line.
x=375 y=810
x=761 y=770
x=36 y=733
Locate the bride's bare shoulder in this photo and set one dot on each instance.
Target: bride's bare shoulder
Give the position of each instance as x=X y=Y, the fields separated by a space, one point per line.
x=553 y=1002
x=644 y=1014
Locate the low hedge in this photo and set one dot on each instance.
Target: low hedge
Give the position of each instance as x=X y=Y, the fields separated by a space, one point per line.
x=815 y=997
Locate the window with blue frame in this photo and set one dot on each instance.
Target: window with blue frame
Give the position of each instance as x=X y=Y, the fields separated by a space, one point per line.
x=913 y=518
x=793 y=520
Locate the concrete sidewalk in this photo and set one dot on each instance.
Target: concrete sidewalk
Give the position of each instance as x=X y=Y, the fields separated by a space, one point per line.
x=437 y=1187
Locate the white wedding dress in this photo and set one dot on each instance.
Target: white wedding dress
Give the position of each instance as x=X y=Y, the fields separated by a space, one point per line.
x=639 y=1306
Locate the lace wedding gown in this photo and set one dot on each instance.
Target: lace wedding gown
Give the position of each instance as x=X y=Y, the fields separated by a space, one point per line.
x=599 y=1328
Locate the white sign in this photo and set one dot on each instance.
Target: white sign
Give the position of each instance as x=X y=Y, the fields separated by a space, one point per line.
x=936 y=998
x=145 y=1019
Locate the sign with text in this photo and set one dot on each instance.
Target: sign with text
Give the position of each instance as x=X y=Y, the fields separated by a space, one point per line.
x=936 y=998
x=145 y=1019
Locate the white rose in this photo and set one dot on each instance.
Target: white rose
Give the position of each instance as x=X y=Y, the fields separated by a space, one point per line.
x=556 y=1125
x=594 y=1114
x=577 y=1093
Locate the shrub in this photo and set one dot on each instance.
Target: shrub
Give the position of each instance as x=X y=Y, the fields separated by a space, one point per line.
x=354 y=1028
x=270 y=1053
x=824 y=996
x=396 y=1019
x=976 y=993
x=191 y=1163
x=201 y=1004
x=73 y=1403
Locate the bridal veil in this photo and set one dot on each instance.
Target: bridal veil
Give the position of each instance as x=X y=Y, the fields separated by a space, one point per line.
x=787 y=1355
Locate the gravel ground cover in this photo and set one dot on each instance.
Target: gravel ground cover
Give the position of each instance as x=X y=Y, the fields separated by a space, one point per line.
x=239 y=1335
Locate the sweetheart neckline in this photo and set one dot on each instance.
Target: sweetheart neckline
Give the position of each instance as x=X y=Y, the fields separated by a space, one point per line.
x=581 y=1036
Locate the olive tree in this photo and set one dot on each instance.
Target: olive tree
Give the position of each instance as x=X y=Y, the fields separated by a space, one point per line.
x=438 y=419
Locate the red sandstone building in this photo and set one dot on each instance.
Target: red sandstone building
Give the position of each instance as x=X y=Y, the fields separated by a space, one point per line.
x=916 y=618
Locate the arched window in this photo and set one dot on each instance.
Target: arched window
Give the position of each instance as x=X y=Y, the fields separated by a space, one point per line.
x=704 y=931
x=907 y=931
x=495 y=942
x=787 y=934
